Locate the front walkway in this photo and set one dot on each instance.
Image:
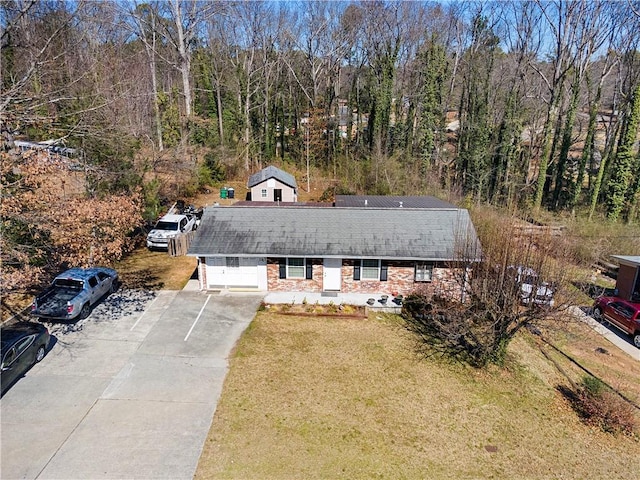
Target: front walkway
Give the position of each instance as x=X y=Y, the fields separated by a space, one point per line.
x=369 y=300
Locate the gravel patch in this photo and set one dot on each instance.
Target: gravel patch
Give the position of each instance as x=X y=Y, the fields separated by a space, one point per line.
x=121 y=303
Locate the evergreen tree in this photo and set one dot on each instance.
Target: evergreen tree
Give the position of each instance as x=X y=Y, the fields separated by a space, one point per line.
x=475 y=127
x=563 y=169
x=622 y=173
x=432 y=118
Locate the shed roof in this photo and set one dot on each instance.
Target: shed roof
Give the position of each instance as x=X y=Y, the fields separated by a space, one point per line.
x=272 y=172
x=409 y=234
x=388 y=201
x=631 y=260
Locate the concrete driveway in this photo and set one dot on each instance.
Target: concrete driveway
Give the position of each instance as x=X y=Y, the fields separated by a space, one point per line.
x=129 y=393
x=614 y=335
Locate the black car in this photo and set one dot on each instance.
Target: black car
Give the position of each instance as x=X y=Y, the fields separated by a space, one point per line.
x=23 y=345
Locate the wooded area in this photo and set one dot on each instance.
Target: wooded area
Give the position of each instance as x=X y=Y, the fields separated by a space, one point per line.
x=533 y=105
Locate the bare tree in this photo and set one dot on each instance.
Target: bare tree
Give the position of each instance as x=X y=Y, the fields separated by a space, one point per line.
x=183 y=33
x=34 y=34
x=145 y=18
x=564 y=21
x=479 y=328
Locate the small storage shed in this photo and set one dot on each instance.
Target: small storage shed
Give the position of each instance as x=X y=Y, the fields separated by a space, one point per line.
x=628 y=280
x=272 y=185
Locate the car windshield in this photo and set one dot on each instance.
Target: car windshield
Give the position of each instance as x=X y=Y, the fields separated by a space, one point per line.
x=68 y=282
x=167 y=226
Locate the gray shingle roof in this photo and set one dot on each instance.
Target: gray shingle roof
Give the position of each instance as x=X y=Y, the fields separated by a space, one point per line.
x=628 y=259
x=411 y=234
x=388 y=201
x=272 y=172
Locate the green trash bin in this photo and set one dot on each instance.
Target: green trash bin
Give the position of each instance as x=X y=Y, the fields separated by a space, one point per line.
x=223 y=192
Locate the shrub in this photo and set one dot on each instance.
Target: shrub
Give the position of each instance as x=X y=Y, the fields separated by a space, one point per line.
x=600 y=406
x=471 y=333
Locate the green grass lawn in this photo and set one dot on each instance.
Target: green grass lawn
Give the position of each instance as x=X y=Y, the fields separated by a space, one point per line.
x=314 y=397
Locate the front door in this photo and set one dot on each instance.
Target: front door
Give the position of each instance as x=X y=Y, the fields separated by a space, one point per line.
x=277 y=194
x=332 y=274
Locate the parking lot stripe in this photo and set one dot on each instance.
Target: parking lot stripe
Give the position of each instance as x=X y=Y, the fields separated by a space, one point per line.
x=197 y=318
x=140 y=317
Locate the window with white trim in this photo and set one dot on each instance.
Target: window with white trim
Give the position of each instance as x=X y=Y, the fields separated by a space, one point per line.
x=295 y=268
x=263 y=193
x=370 y=270
x=424 y=272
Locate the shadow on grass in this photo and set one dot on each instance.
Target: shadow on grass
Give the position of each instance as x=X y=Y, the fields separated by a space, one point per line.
x=571 y=396
x=146 y=278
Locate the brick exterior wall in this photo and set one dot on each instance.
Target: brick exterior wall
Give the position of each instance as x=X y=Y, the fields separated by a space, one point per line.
x=625 y=280
x=400 y=279
x=277 y=284
x=202 y=273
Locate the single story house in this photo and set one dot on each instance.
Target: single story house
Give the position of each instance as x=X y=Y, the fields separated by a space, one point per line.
x=628 y=279
x=329 y=249
x=272 y=185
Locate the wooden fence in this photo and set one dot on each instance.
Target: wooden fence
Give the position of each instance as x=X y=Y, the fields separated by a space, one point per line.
x=179 y=244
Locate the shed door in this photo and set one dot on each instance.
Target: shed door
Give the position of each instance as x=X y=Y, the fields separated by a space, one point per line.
x=332 y=274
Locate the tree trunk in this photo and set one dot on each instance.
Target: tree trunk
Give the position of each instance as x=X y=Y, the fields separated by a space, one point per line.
x=219 y=108
x=547 y=139
x=565 y=146
x=587 y=151
x=247 y=130
x=185 y=57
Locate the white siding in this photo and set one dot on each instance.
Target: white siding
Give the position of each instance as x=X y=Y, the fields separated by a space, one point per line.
x=236 y=272
x=271 y=184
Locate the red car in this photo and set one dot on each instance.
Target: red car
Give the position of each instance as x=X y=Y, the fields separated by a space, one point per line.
x=621 y=313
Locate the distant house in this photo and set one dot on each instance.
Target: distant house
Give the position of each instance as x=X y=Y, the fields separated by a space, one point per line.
x=272 y=185
x=628 y=279
x=331 y=249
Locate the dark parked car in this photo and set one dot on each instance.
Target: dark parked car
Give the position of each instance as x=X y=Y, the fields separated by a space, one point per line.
x=621 y=313
x=23 y=345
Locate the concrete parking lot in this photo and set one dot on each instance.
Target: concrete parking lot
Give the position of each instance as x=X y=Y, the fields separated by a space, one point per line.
x=128 y=393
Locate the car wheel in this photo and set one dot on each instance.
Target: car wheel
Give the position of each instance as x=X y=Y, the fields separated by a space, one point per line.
x=597 y=313
x=40 y=353
x=636 y=339
x=84 y=313
x=114 y=286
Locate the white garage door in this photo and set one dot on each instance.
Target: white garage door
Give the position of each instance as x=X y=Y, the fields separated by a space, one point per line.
x=236 y=272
